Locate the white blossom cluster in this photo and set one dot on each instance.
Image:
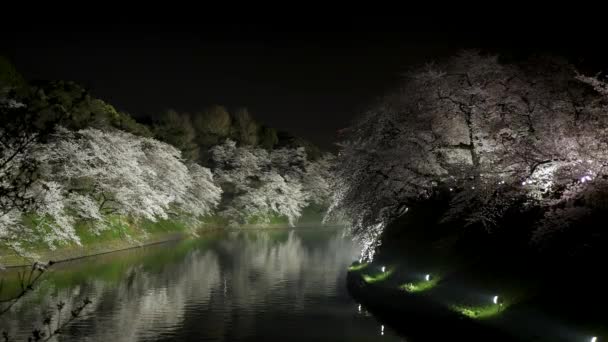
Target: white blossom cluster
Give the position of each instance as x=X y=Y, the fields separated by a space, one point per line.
x=491 y=135
x=90 y=174
x=261 y=184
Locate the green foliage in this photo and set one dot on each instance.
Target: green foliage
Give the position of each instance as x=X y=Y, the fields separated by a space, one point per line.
x=420 y=286
x=289 y=140
x=357 y=267
x=212 y=126
x=244 y=129
x=313 y=213
x=73 y=107
x=10 y=78
x=378 y=276
x=176 y=129
x=116 y=233
x=269 y=218
x=479 y=312
x=215 y=221
x=124 y=121
x=268 y=137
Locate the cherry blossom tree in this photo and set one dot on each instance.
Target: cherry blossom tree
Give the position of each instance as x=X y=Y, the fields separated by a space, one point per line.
x=90 y=175
x=318 y=179
x=490 y=135
x=18 y=136
x=256 y=188
x=260 y=184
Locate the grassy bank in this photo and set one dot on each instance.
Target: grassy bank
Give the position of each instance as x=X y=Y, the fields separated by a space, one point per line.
x=118 y=235
x=517 y=299
x=121 y=233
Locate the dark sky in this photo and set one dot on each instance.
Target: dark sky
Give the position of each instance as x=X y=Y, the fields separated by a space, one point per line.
x=306 y=75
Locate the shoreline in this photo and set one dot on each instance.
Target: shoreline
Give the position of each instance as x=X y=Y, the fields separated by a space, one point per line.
x=393 y=305
x=469 y=311
x=71 y=253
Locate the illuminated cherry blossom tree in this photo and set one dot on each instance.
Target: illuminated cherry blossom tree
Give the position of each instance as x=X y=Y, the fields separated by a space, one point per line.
x=491 y=135
x=260 y=184
x=91 y=174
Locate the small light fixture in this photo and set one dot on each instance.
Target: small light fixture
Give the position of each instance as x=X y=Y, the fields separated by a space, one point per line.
x=383 y=269
x=382 y=330
x=427 y=277
x=495 y=299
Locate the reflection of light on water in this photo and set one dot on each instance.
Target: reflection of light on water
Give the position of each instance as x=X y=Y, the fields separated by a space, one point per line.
x=266 y=274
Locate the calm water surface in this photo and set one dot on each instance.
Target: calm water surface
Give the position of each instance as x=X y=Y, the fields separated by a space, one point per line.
x=266 y=285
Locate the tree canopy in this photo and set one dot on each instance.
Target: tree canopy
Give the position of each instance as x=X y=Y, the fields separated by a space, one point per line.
x=68 y=159
x=491 y=136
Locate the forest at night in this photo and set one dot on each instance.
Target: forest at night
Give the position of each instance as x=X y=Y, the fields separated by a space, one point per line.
x=368 y=178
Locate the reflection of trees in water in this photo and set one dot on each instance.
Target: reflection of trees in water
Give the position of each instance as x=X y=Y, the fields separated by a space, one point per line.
x=264 y=269
x=155 y=302
x=141 y=304
x=215 y=291
x=274 y=277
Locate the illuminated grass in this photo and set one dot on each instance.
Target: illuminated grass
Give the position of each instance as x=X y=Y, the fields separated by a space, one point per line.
x=420 y=286
x=479 y=312
x=357 y=267
x=381 y=276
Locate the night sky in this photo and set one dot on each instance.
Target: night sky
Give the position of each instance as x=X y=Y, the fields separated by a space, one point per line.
x=304 y=75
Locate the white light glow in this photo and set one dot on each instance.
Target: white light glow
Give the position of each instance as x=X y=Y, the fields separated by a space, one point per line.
x=382 y=330
x=495 y=299
x=451 y=189
x=383 y=269
x=523 y=183
x=359 y=308
x=594 y=339
x=427 y=277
